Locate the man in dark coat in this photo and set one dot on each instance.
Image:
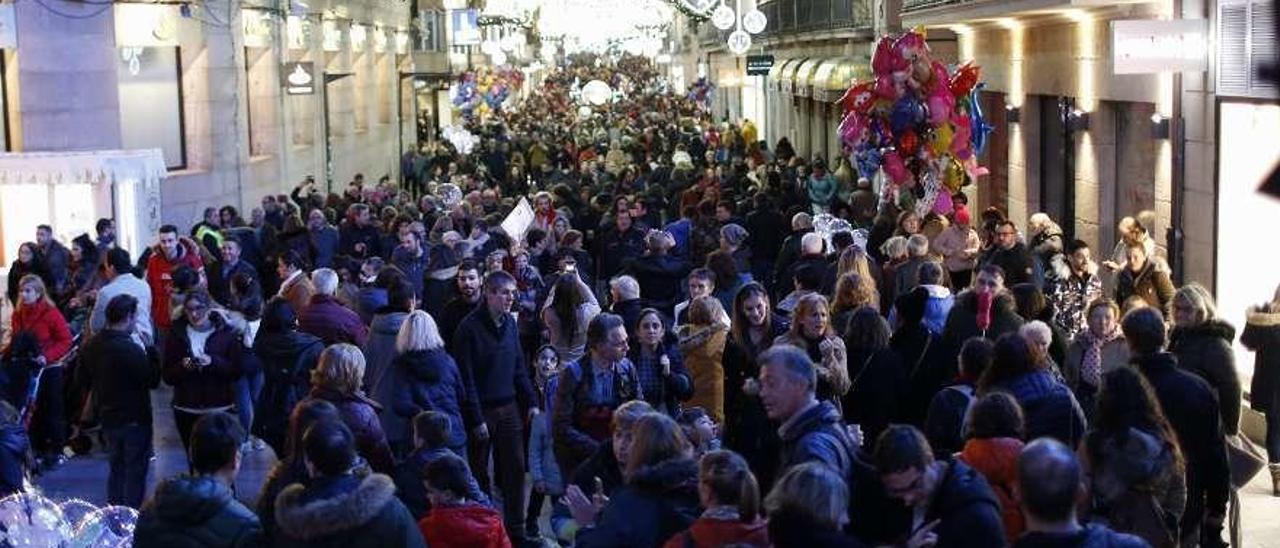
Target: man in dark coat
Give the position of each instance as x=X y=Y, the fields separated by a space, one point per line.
x=767 y=228
x=967 y=319
x=222 y=272
x=956 y=505
x=55 y=256
x=121 y=374
x=621 y=242
x=801 y=224
x=658 y=273
x=810 y=430
x=337 y=508
x=201 y=509
x=358 y=238
x=1192 y=409
x=467 y=296
x=1050 y=482
x=487 y=349
x=1010 y=255
x=323 y=239
x=329 y=319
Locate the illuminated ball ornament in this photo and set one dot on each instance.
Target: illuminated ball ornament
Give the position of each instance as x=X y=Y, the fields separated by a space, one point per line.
x=700 y=6
x=488 y=47
x=754 y=21
x=596 y=92
x=498 y=57
x=723 y=17
x=739 y=42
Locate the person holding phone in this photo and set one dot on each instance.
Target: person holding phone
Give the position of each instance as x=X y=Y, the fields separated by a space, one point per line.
x=202 y=361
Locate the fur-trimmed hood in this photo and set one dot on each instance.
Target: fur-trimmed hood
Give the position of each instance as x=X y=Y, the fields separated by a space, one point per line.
x=1262 y=317
x=1062 y=267
x=1212 y=328
x=668 y=475
x=308 y=520
x=693 y=337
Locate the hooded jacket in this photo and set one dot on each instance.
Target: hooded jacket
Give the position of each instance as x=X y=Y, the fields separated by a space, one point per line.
x=1089 y=536
x=997 y=460
x=818 y=434
x=962 y=321
x=1262 y=336
x=287 y=360
x=703 y=350
x=380 y=377
x=659 y=501
x=714 y=533
x=196 y=512
x=47 y=324
x=1205 y=350
x=428 y=380
x=470 y=526
x=1050 y=407
x=967 y=510
x=345 y=512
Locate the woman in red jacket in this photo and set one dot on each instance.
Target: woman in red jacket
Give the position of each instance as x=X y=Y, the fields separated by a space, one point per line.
x=37 y=315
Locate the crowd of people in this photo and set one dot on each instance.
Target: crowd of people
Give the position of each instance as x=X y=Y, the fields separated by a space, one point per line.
x=669 y=355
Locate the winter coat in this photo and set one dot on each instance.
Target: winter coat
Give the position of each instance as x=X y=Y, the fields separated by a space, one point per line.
x=380 y=379
x=571 y=346
x=747 y=429
x=714 y=533
x=1115 y=354
x=832 y=366
x=1089 y=536
x=1048 y=405
x=997 y=460
x=298 y=291
x=658 y=501
x=413 y=266
x=208 y=387
x=821 y=189
x=787 y=257
x=1205 y=350
x=1262 y=336
x=542 y=456
x=1191 y=406
x=1131 y=474
x=491 y=361
x=614 y=248
x=428 y=380
x=962 y=321
x=123 y=284
x=703 y=350
x=818 y=435
x=791 y=528
x=1016 y=261
x=196 y=512
x=334 y=323
x=287 y=361
x=929 y=366
x=660 y=278
x=603 y=464
x=470 y=526
x=944 y=422
x=360 y=414
x=936 y=307
x=345 y=512
x=19 y=270
x=967 y=510
x=121 y=375
x=409 y=485
x=877 y=396
x=351 y=235
x=1070 y=294
x=1151 y=284
x=159 y=276
x=47 y=324
x=580 y=423
x=958 y=247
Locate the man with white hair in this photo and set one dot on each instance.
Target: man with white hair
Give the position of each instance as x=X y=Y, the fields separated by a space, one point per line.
x=812 y=255
x=624 y=293
x=906 y=276
x=801 y=224
x=326 y=317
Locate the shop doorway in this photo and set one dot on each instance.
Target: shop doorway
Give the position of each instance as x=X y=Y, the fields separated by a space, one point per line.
x=1057 y=162
x=993 y=189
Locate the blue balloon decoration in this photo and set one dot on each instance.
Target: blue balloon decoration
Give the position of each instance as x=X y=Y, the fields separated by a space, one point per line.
x=868 y=160
x=979 y=128
x=906 y=113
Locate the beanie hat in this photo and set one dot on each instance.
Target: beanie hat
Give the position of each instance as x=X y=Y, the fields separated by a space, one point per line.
x=734 y=234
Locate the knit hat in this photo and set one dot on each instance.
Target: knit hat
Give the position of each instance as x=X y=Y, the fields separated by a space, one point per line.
x=962 y=215
x=734 y=234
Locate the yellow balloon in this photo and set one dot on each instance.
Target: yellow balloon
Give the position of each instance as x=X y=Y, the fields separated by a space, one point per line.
x=955 y=177
x=942 y=135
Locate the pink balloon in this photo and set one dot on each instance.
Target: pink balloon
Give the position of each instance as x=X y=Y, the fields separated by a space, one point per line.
x=960 y=145
x=852 y=129
x=940 y=107
x=942 y=205
x=894 y=167
x=882 y=60
x=886 y=88
x=910 y=44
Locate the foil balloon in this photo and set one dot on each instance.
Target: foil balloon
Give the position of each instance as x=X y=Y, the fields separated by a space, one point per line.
x=859 y=97
x=886 y=87
x=450 y=195
x=894 y=167
x=939 y=82
x=974 y=170
x=979 y=128
x=909 y=142
x=827 y=225
x=75 y=511
x=940 y=107
x=28 y=520
x=906 y=113
x=868 y=160
x=927 y=193
x=909 y=45
x=852 y=129
x=941 y=141
x=885 y=61
x=960 y=141
x=954 y=176
x=964 y=79
x=942 y=205
x=108 y=527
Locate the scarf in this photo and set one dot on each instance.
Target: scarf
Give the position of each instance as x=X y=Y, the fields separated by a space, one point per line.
x=1091 y=362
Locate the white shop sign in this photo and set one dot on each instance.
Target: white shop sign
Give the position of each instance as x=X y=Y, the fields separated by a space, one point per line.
x=1151 y=46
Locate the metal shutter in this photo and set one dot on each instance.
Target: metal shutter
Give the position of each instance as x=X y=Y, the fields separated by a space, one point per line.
x=1246 y=43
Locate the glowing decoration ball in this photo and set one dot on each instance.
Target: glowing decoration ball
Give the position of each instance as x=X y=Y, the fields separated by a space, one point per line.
x=596 y=92
x=75 y=511
x=28 y=520
x=450 y=195
x=488 y=47
x=754 y=21
x=700 y=6
x=585 y=112
x=723 y=17
x=827 y=225
x=498 y=57
x=109 y=527
x=739 y=42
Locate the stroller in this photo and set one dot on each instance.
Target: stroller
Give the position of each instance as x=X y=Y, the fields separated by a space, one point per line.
x=22 y=377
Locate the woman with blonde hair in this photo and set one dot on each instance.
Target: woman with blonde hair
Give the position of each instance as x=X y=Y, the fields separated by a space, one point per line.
x=1202 y=343
x=852 y=293
x=660 y=497
x=37 y=315
x=337 y=380
x=811 y=331
x=427 y=379
x=854 y=260
x=731 y=499
x=702 y=343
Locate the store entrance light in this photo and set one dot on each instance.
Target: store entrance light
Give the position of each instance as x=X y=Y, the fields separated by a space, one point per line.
x=1159 y=126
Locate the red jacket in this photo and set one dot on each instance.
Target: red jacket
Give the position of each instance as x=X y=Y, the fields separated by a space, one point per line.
x=160 y=279
x=47 y=324
x=713 y=533
x=472 y=526
x=997 y=460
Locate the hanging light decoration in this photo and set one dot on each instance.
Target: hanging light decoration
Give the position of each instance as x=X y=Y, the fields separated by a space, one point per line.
x=739 y=42
x=754 y=21
x=723 y=17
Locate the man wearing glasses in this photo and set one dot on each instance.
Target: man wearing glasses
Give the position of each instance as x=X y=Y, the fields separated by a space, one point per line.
x=1010 y=255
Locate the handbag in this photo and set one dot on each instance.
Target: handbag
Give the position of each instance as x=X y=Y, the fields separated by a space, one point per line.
x=1245 y=458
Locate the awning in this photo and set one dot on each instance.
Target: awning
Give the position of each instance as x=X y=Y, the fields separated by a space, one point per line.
x=835 y=76
x=776 y=70
x=804 y=77
x=787 y=76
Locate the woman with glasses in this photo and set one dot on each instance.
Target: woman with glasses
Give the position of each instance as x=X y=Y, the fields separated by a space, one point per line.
x=202 y=362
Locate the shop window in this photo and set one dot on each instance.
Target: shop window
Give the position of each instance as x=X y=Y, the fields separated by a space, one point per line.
x=151 y=110
x=260 y=86
x=302 y=111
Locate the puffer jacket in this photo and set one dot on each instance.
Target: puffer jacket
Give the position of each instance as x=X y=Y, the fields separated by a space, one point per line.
x=413 y=492
x=1205 y=350
x=47 y=324
x=658 y=501
x=360 y=414
x=703 y=350
x=997 y=460
x=818 y=435
x=196 y=512
x=1262 y=336
x=1050 y=407
x=962 y=322
x=470 y=526
x=287 y=360
x=428 y=380
x=345 y=512
x=966 y=509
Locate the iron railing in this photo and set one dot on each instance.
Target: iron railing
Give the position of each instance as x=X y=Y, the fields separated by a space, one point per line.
x=917 y=5
x=796 y=16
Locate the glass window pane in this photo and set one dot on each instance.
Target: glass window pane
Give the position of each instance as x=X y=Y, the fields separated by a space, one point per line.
x=151 y=101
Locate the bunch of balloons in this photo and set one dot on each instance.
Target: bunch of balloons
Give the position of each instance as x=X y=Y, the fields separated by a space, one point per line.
x=29 y=520
x=919 y=123
x=485 y=91
x=701 y=93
